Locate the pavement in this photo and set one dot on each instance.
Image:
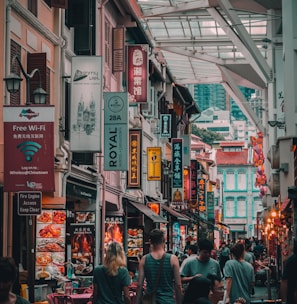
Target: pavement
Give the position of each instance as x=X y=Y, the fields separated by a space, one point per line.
x=265 y=294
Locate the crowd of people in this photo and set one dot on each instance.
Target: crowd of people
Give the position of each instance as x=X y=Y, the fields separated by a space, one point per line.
x=227 y=277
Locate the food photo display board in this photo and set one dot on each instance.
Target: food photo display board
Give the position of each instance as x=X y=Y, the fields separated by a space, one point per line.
x=50 y=244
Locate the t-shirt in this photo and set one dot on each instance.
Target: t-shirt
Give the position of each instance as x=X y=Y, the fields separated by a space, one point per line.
x=290 y=274
x=242 y=275
x=195 y=266
x=110 y=287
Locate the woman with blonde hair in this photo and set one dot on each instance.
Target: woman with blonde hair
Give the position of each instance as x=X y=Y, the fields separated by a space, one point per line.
x=111 y=280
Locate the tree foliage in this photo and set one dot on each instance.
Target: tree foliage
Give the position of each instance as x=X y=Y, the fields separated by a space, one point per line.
x=207 y=136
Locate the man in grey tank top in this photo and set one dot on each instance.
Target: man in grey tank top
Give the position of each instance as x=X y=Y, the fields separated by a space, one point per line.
x=168 y=289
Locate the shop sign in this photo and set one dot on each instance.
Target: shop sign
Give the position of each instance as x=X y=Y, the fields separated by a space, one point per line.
x=114 y=230
x=82 y=238
x=178 y=174
x=137 y=73
x=186 y=149
x=155 y=207
x=154 y=158
x=210 y=205
x=29 y=203
x=134 y=172
x=194 y=192
x=201 y=194
x=86 y=103
x=187 y=184
x=165 y=125
x=116 y=131
x=79 y=191
x=29 y=148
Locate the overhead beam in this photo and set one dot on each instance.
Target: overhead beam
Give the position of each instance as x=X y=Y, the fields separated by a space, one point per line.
x=196 y=5
x=232 y=88
x=244 y=40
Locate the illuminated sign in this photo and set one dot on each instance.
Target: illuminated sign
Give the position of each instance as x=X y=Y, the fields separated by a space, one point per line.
x=134 y=173
x=154 y=158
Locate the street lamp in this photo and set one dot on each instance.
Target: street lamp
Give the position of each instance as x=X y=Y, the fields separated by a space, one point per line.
x=13 y=82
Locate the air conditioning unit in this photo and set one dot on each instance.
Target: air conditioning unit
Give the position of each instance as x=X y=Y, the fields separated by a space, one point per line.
x=273 y=156
x=274 y=184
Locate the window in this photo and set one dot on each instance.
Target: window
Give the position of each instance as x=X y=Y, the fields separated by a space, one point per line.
x=32 y=7
x=230 y=180
x=229 y=207
x=15 y=50
x=241 y=180
x=108 y=43
x=241 y=207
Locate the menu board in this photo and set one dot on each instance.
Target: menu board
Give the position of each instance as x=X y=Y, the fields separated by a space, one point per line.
x=114 y=230
x=135 y=242
x=83 y=248
x=50 y=244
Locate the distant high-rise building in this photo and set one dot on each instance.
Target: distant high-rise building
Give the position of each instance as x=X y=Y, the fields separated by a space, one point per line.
x=215 y=96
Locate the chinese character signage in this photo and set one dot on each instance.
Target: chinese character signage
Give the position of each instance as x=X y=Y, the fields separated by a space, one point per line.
x=29 y=148
x=165 y=125
x=210 y=205
x=154 y=159
x=116 y=131
x=134 y=172
x=201 y=194
x=137 y=73
x=194 y=192
x=83 y=248
x=86 y=95
x=187 y=184
x=178 y=173
x=114 y=230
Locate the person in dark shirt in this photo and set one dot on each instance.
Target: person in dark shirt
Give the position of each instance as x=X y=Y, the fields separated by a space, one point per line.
x=8 y=274
x=289 y=278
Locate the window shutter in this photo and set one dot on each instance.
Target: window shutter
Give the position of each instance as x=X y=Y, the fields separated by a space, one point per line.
x=59 y=3
x=118 y=49
x=78 y=13
x=15 y=50
x=37 y=61
x=82 y=40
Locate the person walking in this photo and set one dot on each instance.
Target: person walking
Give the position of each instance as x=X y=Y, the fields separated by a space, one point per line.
x=8 y=275
x=224 y=255
x=112 y=279
x=192 y=253
x=289 y=278
x=202 y=265
x=239 y=276
x=168 y=289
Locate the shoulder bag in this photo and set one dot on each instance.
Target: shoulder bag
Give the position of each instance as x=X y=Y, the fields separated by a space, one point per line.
x=150 y=298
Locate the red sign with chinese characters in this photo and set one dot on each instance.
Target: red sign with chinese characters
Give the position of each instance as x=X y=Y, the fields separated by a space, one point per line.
x=137 y=73
x=29 y=148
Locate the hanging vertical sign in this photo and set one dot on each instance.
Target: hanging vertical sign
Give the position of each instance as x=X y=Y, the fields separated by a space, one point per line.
x=29 y=148
x=116 y=131
x=178 y=174
x=194 y=192
x=86 y=98
x=165 y=125
x=187 y=149
x=210 y=205
x=154 y=159
x=134 y=167
x=137 y=73
x=201 y=195
x=187 y=184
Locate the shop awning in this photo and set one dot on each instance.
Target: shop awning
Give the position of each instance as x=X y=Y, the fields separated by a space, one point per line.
x=148 y=212
x=177 y=215
x=55 y=202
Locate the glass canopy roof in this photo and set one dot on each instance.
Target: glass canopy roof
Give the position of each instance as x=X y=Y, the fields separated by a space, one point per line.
x=203 y=40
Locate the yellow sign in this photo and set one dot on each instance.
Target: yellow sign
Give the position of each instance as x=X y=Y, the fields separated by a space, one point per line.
x=154 y=158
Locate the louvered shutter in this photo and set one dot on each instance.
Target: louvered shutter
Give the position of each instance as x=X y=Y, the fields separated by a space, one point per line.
x=59 y=3
x=79 y=13
x=37 y=61
x=15 y=50
x=118 y=50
